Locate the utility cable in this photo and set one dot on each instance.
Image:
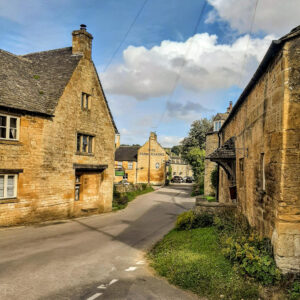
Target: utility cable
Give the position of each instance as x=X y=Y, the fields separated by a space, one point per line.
x=182 y=66
x=126 y=34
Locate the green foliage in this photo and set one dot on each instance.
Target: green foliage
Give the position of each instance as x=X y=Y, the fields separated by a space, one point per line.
x=198 y=187
x=121 y=200
x=196 y=137
x=189 y=220
x=41 y=92
x=253 y=256
x=36 y=77
x=214 y=178
x=193 y=260
x=195 y=157
x=176 y=150
x=294 y=291
x=170 y=171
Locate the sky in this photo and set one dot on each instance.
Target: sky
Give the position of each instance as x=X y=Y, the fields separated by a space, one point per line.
x=163 y=64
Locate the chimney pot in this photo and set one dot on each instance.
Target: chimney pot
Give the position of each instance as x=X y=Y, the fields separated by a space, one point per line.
x=82 y=27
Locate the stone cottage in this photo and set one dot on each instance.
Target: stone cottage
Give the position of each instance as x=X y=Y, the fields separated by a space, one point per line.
x=57 y=134
x=180 y=167
x=145 y=164
x=259 y=151
x=211 y=144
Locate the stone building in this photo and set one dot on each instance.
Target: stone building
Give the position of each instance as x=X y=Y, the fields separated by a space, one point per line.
x=260 y=151
x=57 y=134
x=135 y=163
x=180 y=167
x=211 y=144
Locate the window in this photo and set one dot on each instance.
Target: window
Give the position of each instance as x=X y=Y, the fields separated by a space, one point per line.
x=120 y=164
x=77 y=186
x=8 y=186
x=9 y=127
x=157 y=165
x=84 y=143
x=130 y=165
x=85 y=101
x=217 y=125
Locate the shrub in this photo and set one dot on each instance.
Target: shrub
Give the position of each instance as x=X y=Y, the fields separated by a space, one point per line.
x=294 y=291
x=189 y=220
x=253 y=256
x=214 y=178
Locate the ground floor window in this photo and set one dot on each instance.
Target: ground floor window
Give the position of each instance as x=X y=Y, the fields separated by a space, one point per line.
x=77 y=187
x=8 y=186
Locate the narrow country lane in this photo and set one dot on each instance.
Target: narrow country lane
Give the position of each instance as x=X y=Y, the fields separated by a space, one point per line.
x=98 y=257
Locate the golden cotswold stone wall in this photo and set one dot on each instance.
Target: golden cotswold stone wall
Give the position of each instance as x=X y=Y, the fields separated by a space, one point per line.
x=267 y=131
x=152 y=168
x=46 y=151
x=211 y=143
x=131 y=173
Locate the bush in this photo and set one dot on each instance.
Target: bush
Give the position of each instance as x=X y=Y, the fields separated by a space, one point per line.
x=214 y=178
x=189 y=220
x=294 y=291
x=253 y=256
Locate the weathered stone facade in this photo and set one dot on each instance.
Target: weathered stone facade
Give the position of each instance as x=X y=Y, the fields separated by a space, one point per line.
x=265 y=125
x=45 y=156
x=180 y=167
x=152 y=159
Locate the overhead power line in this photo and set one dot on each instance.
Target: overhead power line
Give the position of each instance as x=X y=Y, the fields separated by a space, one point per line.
x=182 y=66
x=126 y=34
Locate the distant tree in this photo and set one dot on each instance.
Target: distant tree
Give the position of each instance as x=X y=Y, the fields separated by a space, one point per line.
x=195 y=157
x=196 y=137
x=176 y=150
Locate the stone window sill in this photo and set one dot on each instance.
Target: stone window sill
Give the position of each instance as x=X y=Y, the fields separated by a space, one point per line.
x=9 y=200
x=10 y=142
x=84 y=154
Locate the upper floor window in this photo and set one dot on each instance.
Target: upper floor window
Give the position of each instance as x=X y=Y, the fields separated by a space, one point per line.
x=120 y=164
x=217 y=125
x=157 y=165
x=130 y=165
x=9 y=127
x=85 y=101
x=84 y=143
x=8 y=186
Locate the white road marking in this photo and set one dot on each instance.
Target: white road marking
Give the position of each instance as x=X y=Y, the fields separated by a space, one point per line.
x=113 y=281
x=130 y=269
x=95 y=296
x=141 y=262
x=102 y=286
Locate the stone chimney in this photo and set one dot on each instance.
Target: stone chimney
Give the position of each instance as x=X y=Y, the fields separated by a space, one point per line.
x=117 y=140
x=82 y=42
x=153 y=136
x=229 y=108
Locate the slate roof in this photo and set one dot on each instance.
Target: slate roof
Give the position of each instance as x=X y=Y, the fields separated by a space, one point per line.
x=227 y=151
x=35 y=82
x=127 y=153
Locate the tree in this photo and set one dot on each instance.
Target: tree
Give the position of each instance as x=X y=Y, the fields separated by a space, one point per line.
x=176 y=150
x=196 y=137
x=195 y=157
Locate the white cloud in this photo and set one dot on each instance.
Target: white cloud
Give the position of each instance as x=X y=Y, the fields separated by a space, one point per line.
x=169 y=141
x=272 y=16
x=148 y=73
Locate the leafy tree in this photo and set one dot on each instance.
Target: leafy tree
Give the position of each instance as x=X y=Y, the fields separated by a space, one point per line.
x=195 y=157
x=176 y=150
x=214 y=178
x=170 y=172
x=196 y=137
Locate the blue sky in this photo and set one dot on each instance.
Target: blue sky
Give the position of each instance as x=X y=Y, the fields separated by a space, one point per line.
x=210 y=66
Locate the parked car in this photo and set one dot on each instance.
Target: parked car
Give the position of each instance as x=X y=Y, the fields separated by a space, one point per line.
x=189 y=179
x=124 y=182
x=177 y=179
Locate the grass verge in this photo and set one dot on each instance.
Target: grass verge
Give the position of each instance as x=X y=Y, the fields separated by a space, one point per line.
x=193 y=260
x=121 y=201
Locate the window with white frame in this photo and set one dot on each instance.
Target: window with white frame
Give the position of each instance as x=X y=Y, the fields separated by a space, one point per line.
x=8 y=186
x=157 y=165
x=217 y=125
x=9 y=127
x=120 y=164
x=130 y=165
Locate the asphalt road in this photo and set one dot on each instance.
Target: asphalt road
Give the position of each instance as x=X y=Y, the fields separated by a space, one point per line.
x=98 y=257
